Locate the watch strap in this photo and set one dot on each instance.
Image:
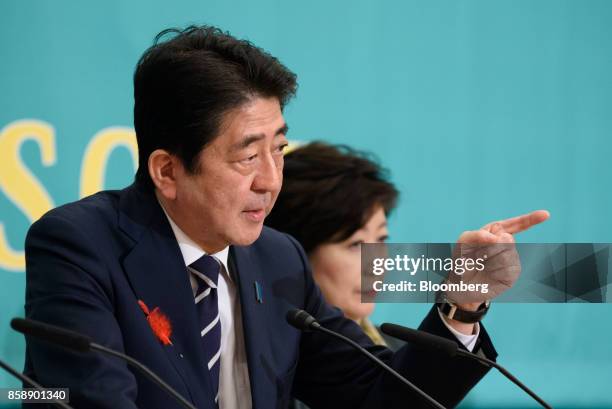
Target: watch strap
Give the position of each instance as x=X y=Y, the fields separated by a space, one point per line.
x=453 y=312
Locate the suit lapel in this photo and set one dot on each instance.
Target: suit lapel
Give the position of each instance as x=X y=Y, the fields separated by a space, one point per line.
x=158 y=276
x=257 y=344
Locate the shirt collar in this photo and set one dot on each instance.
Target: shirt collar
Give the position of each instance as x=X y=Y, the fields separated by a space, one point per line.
x=189 y=249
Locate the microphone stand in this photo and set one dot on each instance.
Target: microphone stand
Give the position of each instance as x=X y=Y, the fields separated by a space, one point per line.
x=27 y=380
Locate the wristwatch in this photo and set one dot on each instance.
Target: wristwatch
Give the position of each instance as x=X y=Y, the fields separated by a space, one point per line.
x=453 y=312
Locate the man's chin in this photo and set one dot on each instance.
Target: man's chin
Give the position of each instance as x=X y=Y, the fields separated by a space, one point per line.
x=248 y=235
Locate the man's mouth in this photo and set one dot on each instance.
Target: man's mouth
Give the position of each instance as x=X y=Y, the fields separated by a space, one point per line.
x=255 y=215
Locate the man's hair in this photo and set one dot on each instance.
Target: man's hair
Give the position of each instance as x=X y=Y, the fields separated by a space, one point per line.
x=328 y=193
x=184 y=85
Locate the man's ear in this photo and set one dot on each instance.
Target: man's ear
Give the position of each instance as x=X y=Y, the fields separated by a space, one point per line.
x=163 y=168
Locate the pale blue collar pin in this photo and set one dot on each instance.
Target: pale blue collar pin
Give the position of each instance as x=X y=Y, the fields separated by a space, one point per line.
x=258 y=292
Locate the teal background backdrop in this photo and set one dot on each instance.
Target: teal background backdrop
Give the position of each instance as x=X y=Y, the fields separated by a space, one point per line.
x=480 y=109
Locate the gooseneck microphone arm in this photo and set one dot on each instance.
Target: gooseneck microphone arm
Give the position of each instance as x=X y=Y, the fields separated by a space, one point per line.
x=301 y=320
x=81 y=343
x=505 y=372
x=448 y=347
x=145 y=371
x=29 y=381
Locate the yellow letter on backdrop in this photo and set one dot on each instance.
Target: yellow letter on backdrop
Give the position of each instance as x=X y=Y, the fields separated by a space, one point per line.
x=19 y=184
x=97 y=153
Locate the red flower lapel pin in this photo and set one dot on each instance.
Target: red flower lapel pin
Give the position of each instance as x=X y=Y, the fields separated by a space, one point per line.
x=159 y=322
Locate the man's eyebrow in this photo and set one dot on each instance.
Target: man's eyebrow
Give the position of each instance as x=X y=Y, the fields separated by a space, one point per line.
x=282 y=130
x=249 y=139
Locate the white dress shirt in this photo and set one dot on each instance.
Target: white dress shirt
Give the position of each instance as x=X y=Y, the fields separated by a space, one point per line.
x=469 y=341
x=234 y=384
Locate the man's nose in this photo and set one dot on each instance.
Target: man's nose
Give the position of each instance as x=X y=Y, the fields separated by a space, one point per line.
x=269 y=175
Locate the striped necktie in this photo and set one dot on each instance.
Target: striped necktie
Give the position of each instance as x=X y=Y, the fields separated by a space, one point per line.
x=206 y=272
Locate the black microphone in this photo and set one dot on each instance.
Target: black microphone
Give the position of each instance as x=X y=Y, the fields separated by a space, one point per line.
x=303 y=321
x=29 y=381
x=421 y=338
x=52 y=334
x=81 y=343
x=449 y=347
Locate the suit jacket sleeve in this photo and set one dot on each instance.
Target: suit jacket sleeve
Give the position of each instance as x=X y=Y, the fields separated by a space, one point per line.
x=67 y=285
x=331 y=374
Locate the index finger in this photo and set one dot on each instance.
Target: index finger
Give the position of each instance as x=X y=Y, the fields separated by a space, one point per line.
x=521 y=223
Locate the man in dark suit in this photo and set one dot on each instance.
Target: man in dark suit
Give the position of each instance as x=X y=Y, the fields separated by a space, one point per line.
x=178 y=271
